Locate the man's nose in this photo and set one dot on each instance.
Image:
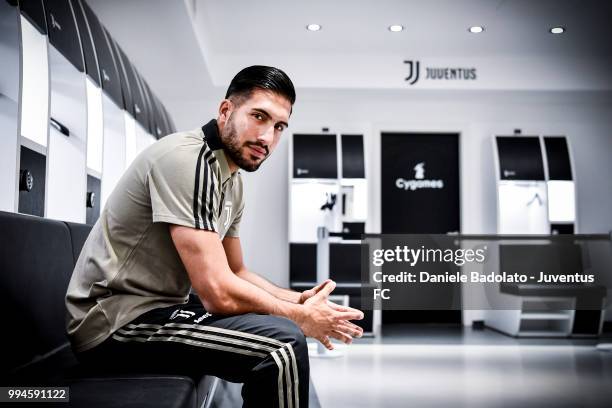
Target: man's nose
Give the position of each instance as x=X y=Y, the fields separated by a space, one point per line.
x=267 y=137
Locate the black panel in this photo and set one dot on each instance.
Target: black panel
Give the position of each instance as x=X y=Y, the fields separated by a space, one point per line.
x=139 y=106
x=586 y=322
x=171 y=126
x=430 y=164
x=352 y=156
x=108 y=70
x=63 y=32
x=91 y=63
x=302 y=262
x=557 y=154
x=158 y=119
x=32 y=202
x=119 y=55
x=559 y=229
x=150 y=113
x=368 y=315
x=92 y=200
x=314 y=156
x=164 y=118
x=169 y=122
x=345 y=262
x=353 y=227
x=520 y=158
x=158 y=127
x=78 y=236
x=34 y=11
x=355 y=294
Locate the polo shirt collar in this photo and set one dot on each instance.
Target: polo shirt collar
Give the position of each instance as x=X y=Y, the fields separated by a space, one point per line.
x=213 y=140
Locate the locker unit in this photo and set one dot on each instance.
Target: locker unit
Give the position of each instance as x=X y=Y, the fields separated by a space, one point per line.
x=95 y=119
x=128 y=103
x=536 y=188
x=522 y=199
x=34 y=103
x=9 y=104
x=67 y=150
x=327 y=188
x=113 y=149
x=315 y=187
x=536 y=195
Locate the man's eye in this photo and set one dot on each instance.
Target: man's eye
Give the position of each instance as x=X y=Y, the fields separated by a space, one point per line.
x=258 y=116
x=280 y=128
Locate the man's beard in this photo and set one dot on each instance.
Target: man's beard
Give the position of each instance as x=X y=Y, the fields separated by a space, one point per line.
x=235 y=151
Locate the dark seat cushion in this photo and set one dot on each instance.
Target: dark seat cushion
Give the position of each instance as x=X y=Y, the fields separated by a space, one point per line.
x=133 y=391
x=36 y=263
x=78 y=236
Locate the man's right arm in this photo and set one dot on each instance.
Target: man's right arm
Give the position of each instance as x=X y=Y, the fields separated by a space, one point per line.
x=222 y=292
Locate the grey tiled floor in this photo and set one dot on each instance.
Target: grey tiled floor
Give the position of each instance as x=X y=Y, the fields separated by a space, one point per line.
x=455 y=367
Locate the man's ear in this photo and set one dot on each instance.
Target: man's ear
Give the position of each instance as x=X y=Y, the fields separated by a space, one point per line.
x=225 y=109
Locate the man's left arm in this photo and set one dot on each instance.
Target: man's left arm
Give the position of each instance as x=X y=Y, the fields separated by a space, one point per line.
x=233 y=251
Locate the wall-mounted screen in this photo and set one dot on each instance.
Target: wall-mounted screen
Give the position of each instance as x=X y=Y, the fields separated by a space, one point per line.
x=520 y=158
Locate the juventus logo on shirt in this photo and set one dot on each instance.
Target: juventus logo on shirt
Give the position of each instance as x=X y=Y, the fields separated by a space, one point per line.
x=228 y=213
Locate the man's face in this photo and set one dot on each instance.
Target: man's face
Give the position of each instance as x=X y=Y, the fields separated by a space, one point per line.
x=251 y=130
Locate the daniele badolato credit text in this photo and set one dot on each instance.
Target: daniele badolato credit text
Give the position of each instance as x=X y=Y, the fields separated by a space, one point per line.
x=401 y=265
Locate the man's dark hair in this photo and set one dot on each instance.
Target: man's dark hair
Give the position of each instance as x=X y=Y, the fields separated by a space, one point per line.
x=260 y=77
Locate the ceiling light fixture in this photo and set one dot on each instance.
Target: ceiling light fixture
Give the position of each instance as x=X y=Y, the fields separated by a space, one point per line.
x=476 y=29
x=557 y=30
x=396 y=28
x=313 y=27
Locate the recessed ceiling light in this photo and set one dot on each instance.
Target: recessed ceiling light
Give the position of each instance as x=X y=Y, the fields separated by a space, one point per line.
x=396 y=28
x=313 y=27
x=557 y=30
x=476 y=29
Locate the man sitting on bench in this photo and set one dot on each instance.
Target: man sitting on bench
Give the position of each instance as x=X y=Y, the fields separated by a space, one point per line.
x=172 y=224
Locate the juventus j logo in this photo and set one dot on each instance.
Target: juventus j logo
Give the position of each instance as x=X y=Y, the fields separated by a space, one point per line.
x=419 y=171
x=414 y=67
x=228 y=213
x=54 y=23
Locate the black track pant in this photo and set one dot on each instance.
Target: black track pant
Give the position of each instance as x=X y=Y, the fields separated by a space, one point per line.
x=268 y=354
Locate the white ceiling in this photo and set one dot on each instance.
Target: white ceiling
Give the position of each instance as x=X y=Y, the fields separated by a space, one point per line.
x=433 y=27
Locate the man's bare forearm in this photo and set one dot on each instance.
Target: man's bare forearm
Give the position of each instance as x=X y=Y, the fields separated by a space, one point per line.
x=237 y=296
x=280 y=293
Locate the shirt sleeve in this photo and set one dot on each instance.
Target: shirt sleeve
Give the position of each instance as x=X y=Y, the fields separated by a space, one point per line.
x=184 y=189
